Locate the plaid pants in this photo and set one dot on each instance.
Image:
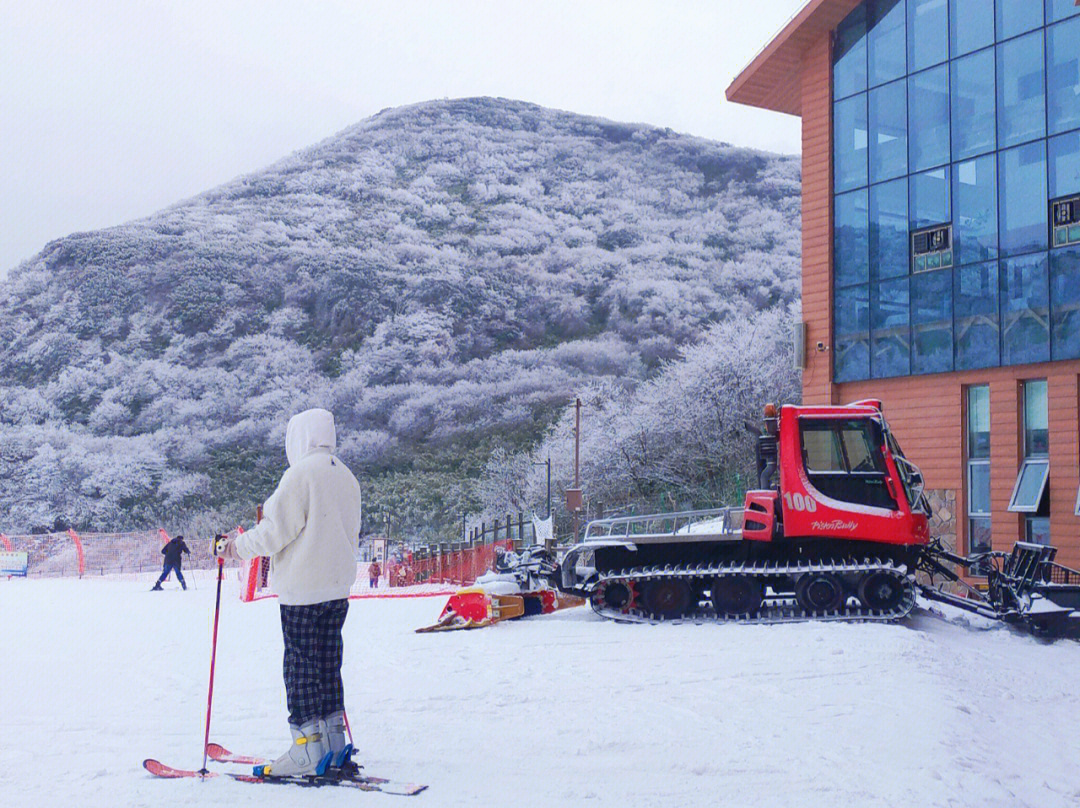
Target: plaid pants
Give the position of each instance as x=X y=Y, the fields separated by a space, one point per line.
x=313 y=650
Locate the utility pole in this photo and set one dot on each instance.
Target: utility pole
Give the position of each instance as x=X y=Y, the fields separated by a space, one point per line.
x=574 y=500
x=548 y=464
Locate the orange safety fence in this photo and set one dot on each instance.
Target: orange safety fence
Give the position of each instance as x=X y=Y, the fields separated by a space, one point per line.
x=406 y=574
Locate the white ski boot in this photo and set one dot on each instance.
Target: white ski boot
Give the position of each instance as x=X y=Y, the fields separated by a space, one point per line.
x=308 y=755
x=337 y=742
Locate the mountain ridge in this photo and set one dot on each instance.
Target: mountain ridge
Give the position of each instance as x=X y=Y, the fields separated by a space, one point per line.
x=444 y=274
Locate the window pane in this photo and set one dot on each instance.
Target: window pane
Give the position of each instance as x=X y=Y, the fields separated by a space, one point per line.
x=1036 y=419
x=929 y=194
x=849 y=54
x=928 y=102
x=1060 y=9
x=971 y=26
x=1065 y=303
x=861 y=455
x=975 y=219
x=1029 y=486
x=852 y=233
x=974 y=104
x=928 y=33
x=889 y=335
x=1038 y=530
x=979 y=421
x=1016 y=16
x=852 y=338
x=888 y=230
x=887 y=54
x=977 y=316
x=979 y=492
x=1025 y=310
x=931 y=321
x=849 y=142
x=1064 y=164
x=979 y=541
x=821 y=448
x=1063 y=76
x=888 y=132
x=1021 y=107
x=1022 y=199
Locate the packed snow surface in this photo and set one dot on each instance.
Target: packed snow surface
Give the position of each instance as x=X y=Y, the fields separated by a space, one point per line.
x=565 y=710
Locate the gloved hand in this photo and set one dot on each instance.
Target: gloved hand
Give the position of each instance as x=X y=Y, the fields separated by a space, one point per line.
x=224 y=548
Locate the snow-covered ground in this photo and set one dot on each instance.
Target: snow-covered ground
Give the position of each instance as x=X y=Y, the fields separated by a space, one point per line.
x=559 y=711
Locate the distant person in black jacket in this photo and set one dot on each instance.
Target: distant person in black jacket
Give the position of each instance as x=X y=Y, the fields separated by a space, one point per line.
x=172 y=552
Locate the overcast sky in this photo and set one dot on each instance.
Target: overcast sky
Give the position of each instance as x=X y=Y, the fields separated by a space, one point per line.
x=110 y=111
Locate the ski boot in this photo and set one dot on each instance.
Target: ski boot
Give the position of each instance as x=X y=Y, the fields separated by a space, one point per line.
x=156 y=587
x=341 y=751
x=309 y=754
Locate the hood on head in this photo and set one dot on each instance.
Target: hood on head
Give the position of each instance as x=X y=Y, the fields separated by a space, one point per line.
x=309 y=430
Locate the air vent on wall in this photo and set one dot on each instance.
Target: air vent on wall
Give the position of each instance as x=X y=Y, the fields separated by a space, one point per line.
x=931 y=248
x=1065 y=218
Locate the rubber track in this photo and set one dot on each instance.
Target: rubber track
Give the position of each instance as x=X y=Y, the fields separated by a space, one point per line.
x=774 y=610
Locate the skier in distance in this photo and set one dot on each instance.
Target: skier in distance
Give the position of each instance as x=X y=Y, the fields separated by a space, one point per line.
x=308 y=529
x=172 y=552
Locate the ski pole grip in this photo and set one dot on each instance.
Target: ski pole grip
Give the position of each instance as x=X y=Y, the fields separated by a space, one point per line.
x=217 y=544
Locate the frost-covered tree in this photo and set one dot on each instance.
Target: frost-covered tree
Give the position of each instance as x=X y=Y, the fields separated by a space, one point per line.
x=443 y=276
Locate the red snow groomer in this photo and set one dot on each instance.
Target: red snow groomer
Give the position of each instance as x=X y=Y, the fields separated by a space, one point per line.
x=837 y=530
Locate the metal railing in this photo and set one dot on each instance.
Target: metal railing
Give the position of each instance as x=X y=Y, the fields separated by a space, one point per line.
x=697 y=524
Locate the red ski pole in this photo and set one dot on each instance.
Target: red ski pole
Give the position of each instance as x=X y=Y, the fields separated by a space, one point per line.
x=213 y=659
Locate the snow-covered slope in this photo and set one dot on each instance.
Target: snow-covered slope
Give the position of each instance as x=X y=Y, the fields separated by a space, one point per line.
x=562 y=711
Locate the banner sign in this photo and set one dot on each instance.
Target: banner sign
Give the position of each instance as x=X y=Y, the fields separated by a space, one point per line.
x=13 y=563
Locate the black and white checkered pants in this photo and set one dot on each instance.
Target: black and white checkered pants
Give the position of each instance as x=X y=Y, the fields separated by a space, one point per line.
x=313 y=650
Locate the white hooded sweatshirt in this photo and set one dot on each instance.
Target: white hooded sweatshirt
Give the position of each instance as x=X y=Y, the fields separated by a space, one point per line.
x=311 y=522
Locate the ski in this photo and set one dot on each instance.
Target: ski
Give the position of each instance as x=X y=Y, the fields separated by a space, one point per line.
x=159 y=769
x=362 y=782
x=220 y=754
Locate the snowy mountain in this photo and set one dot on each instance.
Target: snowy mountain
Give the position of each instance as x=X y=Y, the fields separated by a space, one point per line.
x=442 y=276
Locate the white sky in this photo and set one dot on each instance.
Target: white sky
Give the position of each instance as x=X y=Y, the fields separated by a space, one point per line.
x=110 y=111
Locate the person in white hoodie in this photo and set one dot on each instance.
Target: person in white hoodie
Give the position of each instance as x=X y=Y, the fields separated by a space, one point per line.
x=308 y=530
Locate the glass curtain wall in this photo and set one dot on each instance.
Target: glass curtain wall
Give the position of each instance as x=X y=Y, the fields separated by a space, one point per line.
x=963 y=114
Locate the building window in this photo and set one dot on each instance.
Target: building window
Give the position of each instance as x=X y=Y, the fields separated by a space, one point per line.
x=1017 y=16
x=978 y=472
x=974 y=105
x=975 y=217
x=1063 y=76
x=1065 y=303
x=971 y=28
x=886 y=41
x=890 y=350
x=849 y=54
x=928 y=33
x=931 y=322
x=888 y=132
x=1060 y=9
x=928 y=118
x=851 y=342
x=977 y=343
x=1022 y=207
x=851 y=231
x=929 y=201
x=1064 y=157
x=889 y=230
x=1025 y=310
x=849 y=142
x=1021 y=102
x=1030 y=493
